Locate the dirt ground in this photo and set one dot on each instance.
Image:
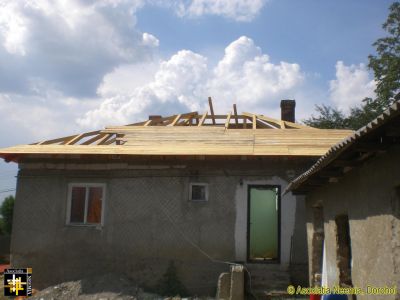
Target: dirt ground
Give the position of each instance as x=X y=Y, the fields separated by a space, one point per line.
x=105 y=287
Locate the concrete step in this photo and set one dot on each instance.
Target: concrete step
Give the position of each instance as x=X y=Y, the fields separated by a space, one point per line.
x=268 y=279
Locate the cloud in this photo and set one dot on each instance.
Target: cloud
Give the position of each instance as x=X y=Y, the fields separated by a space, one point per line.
x=248 y=76
x=73 y=44
x=351 y=86
x=27 y=119
x=238 y=10
x=70 y=44
x=178 y=85
x=60 y=59
x=182 y=83
x=150 y=40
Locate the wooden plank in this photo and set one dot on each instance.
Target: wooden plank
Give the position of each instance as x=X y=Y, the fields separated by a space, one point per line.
x=254 y=122
x=251 y=116
x=171 y=149
x=105 y=139
x=298 y=126
x=109 y=142
x=211 y=109
x=236 y=115
x=94 y=139
x=266 y=119
x=147 y=123
x=264 y=124
x=228 y=119
x=74 y=140
x=176 y=120
x=58 y=140
x=202 y=119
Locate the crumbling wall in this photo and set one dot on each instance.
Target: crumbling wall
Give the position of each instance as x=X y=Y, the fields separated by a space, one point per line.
x=366 y=195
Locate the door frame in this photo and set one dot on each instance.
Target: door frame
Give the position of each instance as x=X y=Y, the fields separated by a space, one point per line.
x=265 y=186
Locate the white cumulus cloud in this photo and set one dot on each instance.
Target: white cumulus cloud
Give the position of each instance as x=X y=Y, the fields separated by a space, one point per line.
x=248 y=76
x=351 y=86
x=182 y=83
x=71 y=44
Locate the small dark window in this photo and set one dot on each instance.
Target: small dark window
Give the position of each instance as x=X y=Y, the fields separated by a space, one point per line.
x=343 y=251
x=198 y=192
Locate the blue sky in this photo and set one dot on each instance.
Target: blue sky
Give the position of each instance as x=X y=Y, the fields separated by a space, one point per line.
x=72 y=66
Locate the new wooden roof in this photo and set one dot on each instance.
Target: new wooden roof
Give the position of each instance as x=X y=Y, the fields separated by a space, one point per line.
x=192 y=134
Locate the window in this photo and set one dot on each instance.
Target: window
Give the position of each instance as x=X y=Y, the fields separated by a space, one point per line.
x=198 y=192
x=85 y=204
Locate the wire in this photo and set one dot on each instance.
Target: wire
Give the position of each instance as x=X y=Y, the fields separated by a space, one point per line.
x=7 y=190
x=191 y=242
x=163 y=210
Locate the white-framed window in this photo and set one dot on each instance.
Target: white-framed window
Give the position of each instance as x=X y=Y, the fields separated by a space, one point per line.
x=86 y=203
x=198 y=192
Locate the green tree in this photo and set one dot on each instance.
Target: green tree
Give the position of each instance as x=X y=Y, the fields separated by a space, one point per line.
x=6 y=211
x=328 y=118
x=386 y=67
x=386 y=64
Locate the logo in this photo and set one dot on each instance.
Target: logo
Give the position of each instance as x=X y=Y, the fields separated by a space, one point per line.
x=18 y=282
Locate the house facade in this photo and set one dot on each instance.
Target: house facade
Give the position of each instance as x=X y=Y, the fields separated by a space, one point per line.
x=353 y=211
x=200 y=190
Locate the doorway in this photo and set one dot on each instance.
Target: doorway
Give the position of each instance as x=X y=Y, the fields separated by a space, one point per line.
x=263 y=225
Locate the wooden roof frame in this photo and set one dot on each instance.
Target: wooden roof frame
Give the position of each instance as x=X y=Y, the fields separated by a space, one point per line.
x=232 y=120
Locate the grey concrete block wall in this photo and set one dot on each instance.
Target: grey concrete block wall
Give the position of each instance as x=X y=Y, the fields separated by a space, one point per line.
x=5 y=241
x=369 y=196
x=148 y=221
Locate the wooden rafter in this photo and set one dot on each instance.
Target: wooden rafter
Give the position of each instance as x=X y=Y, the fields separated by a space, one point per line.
x=95 y=138
x=58 y=140
x=235 y=113
x=176 y=120
x=81 y=136
x=112 y=135
x=202 y=119
x=257 y=120
x=211 y=109
x=104 y=139
x=228 y=119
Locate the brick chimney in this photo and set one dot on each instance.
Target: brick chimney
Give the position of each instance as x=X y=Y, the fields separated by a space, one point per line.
x=288 y=110
x=155 y=119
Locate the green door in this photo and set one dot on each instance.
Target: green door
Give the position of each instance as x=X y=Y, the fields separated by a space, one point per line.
x=263 y=227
